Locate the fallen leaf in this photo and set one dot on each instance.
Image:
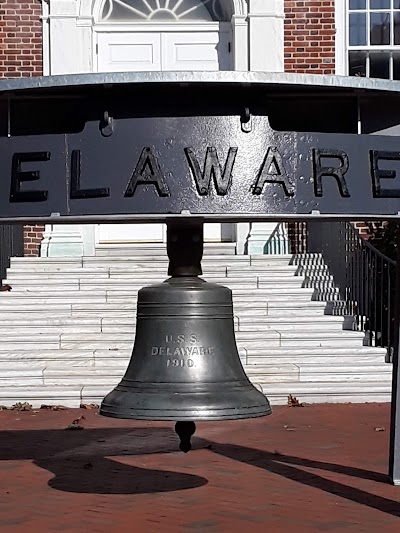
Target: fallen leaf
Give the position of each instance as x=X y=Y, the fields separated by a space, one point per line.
x=294 y=402
x=380 y=429
x=53 y=407
x=74 y=426
x=77 y=420
x=89 y=406
x=25 y=406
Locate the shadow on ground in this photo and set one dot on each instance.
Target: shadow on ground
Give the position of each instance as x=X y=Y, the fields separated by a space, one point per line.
x=291 y=467
x=82 y=462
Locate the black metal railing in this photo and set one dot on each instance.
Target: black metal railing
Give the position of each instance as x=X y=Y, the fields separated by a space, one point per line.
x=11 y=245
x=364 y=278
x=297 y=233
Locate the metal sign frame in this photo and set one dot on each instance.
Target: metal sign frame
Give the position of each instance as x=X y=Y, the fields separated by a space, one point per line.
x=212 y=147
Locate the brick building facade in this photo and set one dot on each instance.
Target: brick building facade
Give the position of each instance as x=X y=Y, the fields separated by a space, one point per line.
x=310 y=36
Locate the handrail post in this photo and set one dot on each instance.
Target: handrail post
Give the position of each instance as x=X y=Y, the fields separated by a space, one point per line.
x=394 y=454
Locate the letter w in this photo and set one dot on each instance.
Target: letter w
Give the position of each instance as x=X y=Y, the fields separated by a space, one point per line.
x=212 y=169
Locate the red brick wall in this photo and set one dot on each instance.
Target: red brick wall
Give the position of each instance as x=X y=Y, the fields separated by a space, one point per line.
x=20 y=38
x=21 y=55
x=32 y=238
x=310 y=36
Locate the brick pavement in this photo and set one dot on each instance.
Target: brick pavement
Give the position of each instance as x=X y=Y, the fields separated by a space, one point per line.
x=309 y=469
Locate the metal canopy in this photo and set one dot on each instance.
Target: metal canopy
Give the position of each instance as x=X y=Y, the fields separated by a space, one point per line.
x=219 y=146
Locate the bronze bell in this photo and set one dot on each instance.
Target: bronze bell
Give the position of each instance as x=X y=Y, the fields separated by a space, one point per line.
x=185 y=365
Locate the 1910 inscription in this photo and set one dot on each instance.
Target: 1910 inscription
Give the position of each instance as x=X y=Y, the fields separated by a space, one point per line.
x=181 y=350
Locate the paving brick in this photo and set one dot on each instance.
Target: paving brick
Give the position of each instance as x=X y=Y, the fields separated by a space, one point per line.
x=310 y=469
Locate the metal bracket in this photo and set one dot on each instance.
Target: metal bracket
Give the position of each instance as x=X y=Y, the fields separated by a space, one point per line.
x=246 y=121
x=107 y=125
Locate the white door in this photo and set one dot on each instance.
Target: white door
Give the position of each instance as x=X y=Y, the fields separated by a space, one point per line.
x=203 y=51
x=124 y=52
x=160 y=51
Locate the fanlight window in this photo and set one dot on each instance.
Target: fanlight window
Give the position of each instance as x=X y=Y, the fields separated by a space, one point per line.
x=164 y=10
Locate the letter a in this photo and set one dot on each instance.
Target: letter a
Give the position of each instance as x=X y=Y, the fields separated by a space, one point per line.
x=147 y=171
x=273 y=171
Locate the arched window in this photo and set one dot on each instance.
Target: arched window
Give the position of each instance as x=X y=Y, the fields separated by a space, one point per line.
x=165 y=10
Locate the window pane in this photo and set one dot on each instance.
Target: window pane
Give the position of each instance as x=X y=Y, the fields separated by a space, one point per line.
x=165 y=10
x=357 y=4
x=396 y=4
x=380 y=4
x=396 y=20
x=357 y=64
x=380 y=28
x=396 y=66
x=379 y=65
x=358 y=30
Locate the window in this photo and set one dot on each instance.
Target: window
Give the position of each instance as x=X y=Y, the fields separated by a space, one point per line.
x=374 y=38
x=165 y=11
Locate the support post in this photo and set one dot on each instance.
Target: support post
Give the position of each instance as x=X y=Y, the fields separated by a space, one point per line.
x=185 y=248
x=394 y=455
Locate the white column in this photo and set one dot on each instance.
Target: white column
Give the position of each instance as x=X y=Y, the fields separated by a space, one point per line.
x=241 y=42
x=266 y=20
x=69 y=50
x=242 y=235
x=62 y=240
x=268 y=238
x=340 y=39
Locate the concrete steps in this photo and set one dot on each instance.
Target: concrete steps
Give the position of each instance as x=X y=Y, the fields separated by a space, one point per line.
x=68 y=326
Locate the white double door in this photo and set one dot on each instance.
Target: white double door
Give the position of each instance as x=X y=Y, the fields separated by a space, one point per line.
x=151 y=50
x=161 y=51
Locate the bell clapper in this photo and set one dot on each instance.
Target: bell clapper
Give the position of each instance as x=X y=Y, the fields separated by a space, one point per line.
x=185 y=430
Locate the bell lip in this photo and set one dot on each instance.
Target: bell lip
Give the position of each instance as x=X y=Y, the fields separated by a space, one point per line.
x=264 y=410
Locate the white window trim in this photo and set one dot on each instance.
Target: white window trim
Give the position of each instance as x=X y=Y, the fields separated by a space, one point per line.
x=153 y=26
x=341 y=63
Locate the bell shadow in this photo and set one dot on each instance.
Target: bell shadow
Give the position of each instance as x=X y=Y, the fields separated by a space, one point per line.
x=102 y=475
x=83 y=461
x=285 y=466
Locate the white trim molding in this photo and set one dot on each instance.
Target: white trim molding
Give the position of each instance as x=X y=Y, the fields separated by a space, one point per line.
x=340 y=38
x=266 y=27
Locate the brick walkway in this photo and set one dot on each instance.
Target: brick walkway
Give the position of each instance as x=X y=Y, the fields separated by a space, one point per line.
x=309 y=469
